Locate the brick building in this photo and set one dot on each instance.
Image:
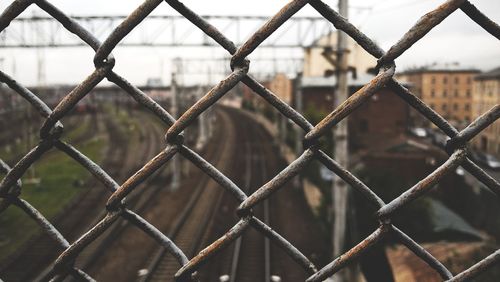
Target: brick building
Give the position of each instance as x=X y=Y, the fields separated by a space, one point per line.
x=445 y=88
x=279 y=84
x=381 y=118
x=486 y=95
x=410 y=158
x=251 y=99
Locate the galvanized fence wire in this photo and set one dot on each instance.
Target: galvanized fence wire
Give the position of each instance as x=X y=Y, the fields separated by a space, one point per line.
x=52 y=129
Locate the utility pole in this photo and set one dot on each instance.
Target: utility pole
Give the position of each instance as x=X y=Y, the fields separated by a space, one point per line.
x=339 y=189
x=202 y=122
x=299 y=133
x=42 y=78
x=283 y=132
x=41 y=82
x=174 y=110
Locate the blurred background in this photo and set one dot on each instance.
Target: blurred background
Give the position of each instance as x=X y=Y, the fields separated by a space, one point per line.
x=455 y=70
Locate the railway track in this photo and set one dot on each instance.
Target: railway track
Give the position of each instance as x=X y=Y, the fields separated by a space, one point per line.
x=95 y=258
x=286 y=212
x=40 y=250
x=116 y=240
x=251 y=256
x=188 y=217
x=191 y=226
x=33 y=263
x=121 y=165
x=150 y=142
x=248 y=258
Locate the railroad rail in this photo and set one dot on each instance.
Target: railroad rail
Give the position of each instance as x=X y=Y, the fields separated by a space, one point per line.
x=79 y=212
x=192 y=224
x=116 y=206
x=138 y=200
x=251 y=257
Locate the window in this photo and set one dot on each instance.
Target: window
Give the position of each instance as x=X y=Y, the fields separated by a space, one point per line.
x=467 y=107
x=469 y=80
x=455 y=106
x=484 y=143
x=433 y=80
x=468 y=93
x=445 y=93
x=456 y=93
x=443 y=107
x=457 y=80
x=445 y=80
x=433 y=93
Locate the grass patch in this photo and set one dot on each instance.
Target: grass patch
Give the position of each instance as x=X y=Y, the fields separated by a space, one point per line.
x=127 y=121
x=10 y=152
x=82 y=126
x=59 y=176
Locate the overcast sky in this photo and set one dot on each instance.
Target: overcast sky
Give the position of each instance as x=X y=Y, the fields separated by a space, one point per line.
x=457 y=39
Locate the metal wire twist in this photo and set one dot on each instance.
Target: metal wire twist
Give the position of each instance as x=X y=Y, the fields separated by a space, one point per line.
x=51 y=130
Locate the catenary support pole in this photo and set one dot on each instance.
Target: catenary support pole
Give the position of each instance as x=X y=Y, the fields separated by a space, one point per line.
x=174 y=185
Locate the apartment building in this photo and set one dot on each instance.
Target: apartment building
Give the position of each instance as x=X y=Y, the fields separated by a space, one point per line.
x=445 y=88
x=486 y=95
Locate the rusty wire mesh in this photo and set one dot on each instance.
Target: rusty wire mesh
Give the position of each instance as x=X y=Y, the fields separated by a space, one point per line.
x=10 y=187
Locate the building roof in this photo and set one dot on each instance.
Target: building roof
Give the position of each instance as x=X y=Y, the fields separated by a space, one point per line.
x=321 y=81
x=447 y=222
x=452 y=67
x=494 y=73
x=360 y=81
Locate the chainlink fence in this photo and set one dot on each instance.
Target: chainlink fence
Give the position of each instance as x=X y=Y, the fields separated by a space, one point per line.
x=50 y=132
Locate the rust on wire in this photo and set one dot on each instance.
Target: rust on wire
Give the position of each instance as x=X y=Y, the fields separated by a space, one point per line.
x=51 y=130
